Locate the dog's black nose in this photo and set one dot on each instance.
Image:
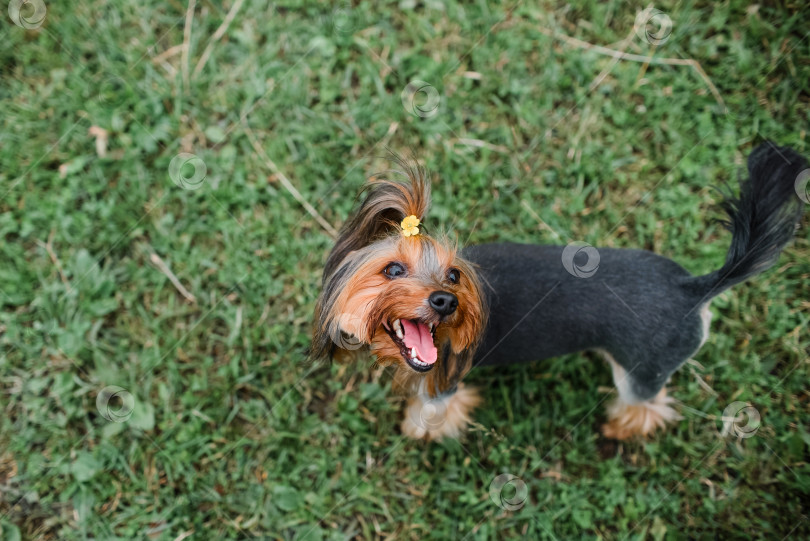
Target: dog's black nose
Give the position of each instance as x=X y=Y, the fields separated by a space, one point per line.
x=443 y=302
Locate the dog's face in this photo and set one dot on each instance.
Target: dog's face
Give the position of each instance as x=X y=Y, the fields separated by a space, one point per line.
x=407 y=298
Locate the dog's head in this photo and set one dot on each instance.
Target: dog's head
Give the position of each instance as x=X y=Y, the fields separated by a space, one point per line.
x=389 y=286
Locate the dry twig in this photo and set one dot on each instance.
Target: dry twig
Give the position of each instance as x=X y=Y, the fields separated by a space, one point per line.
x=287 y=184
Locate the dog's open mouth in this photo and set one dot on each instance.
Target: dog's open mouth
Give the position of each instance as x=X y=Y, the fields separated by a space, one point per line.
x=415 y=341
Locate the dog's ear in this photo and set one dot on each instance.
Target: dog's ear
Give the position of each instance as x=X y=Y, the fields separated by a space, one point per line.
x=386 y=203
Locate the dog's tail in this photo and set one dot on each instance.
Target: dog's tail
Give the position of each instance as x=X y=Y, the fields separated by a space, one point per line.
x=762 y=220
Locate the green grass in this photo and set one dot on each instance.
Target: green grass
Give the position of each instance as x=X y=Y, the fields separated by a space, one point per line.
x=233 y=435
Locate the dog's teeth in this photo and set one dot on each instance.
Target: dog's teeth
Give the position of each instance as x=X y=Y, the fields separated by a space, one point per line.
x=399 y=334
x=430 y=327
x=413 y=353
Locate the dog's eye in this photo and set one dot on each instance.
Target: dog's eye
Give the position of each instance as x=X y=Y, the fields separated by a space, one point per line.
x=454 y=276
x=394 y=270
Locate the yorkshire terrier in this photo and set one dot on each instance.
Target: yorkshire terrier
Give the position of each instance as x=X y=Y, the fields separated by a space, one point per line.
x=419 y=305
x=407 y=298
x=645 y=313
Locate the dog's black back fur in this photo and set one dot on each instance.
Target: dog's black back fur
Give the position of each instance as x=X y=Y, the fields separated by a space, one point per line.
x=538 y=310
x=642 y=308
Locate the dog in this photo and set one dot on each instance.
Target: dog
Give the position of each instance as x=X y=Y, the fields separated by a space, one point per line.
x=645 y=313
x=408 y=299
x=417 y=304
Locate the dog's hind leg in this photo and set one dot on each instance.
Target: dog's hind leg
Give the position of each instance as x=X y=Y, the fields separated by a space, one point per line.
x=643 y=405
x=639 y=409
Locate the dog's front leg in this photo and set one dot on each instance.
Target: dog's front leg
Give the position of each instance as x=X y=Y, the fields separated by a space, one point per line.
x=445 y=415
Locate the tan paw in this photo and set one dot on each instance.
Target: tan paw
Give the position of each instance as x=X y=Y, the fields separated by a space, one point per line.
x=442 y=417
x=642 y=419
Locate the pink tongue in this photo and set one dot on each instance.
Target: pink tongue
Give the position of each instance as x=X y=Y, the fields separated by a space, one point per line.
x=418 y=336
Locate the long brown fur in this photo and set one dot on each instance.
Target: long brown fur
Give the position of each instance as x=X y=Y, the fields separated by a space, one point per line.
x=387 y=202
x=626 y=421
x=442 y=417
x=357 y=298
